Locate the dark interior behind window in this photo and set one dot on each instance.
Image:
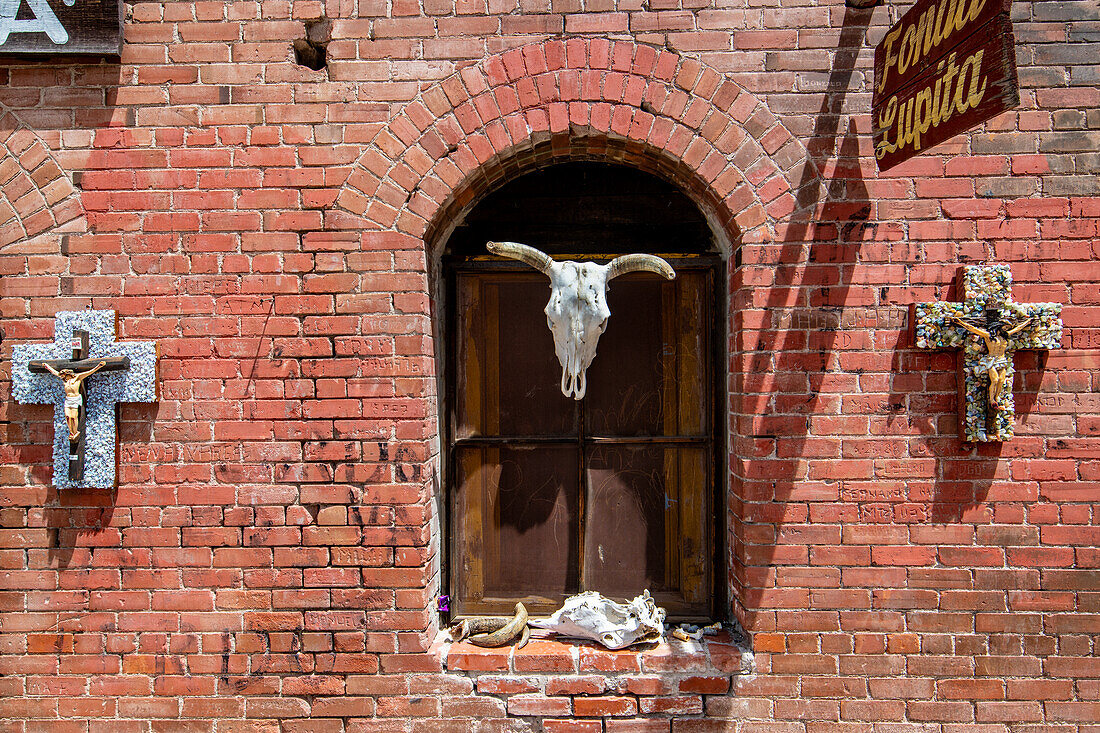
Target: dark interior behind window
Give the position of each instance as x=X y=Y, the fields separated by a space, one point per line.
x=616 y=493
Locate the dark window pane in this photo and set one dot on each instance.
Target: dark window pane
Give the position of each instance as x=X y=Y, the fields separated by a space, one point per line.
x=508 y=375
x=624 y=381
x=646 y=523
x=520 y=533
x=531 y=401
x=649 y=374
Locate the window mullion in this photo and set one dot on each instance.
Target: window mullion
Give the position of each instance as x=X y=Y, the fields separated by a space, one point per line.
x=582 y=496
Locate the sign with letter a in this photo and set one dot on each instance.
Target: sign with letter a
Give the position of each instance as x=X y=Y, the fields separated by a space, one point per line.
x=61 y=27
x=946 y=66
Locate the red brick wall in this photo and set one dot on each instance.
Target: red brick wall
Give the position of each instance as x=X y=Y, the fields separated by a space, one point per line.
x=269 y=560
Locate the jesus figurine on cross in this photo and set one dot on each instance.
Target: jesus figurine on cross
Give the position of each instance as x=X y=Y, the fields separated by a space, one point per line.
x=74 y=400
x=59 y=374
x=988 y=327
x=996 y=363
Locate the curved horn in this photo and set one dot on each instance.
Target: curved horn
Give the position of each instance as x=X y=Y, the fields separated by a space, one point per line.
x=536 y=259
x=478 y=625
x=506 y=633
x=634 y=263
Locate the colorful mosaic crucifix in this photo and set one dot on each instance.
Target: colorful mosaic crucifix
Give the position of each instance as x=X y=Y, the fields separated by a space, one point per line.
x=84 y=373
x=989 y=328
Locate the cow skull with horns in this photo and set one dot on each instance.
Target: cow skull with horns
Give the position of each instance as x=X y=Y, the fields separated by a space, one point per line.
x=577 y=312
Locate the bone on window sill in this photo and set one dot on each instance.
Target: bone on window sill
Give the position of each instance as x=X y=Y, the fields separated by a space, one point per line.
x=550 y=654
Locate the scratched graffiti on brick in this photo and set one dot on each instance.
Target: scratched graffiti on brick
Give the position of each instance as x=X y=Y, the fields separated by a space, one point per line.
x=1085 y=338
x=829 y=319
x=363 y=345
x=209 y=286
x=1056 y=402
x=401 y=365
x=877 y=493
x=969 y=469
x=908 y=513
x=243 y=304
x=880 y=317
x=815 y=319
x=179 y=453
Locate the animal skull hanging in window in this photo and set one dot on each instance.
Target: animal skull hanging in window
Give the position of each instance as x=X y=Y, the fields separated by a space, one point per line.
x=577 y=311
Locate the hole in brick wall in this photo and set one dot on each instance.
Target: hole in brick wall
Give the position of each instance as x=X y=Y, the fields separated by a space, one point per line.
x=311 y=51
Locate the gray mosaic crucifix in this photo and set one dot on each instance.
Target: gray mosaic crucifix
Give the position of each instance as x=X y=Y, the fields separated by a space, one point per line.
x=989 y=328
x=84 y=374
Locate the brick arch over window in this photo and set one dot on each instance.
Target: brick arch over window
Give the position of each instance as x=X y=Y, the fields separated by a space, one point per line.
x=36 y=195
x=579 y=98
x=559 y=100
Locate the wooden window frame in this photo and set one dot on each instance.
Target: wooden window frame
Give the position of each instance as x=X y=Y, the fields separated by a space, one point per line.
x=711 y=444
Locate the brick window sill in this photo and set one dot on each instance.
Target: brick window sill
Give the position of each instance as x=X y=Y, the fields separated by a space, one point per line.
x=714 y=655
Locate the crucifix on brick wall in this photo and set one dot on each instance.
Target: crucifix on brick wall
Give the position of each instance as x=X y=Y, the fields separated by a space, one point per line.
x=84 y=373
x=989 y=328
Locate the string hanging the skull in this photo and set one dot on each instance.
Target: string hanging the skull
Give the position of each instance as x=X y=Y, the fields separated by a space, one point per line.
x=577 y=311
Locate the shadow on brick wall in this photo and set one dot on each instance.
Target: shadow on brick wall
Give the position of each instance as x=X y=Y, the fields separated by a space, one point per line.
x=826 y=243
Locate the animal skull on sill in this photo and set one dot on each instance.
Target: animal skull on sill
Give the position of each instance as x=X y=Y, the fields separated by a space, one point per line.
x=590 y=615
x=577 y=311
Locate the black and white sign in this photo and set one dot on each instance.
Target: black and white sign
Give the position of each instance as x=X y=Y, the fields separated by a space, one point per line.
x=61 y=27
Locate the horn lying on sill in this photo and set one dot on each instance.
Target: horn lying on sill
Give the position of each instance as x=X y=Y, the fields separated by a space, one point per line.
x=492 y=631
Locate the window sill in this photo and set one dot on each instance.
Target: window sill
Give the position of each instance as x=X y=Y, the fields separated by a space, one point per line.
x=714 y=655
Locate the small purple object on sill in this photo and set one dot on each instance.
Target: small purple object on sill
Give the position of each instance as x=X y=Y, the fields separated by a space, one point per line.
x=444 y=605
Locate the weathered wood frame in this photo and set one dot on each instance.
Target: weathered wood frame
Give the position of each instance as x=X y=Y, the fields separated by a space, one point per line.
x=706 y=506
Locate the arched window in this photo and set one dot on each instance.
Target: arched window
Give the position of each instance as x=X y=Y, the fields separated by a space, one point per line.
x=548 y=496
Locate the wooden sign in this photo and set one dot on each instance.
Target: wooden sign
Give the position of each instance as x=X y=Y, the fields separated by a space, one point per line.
x=946 y=66
x=54 y=27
